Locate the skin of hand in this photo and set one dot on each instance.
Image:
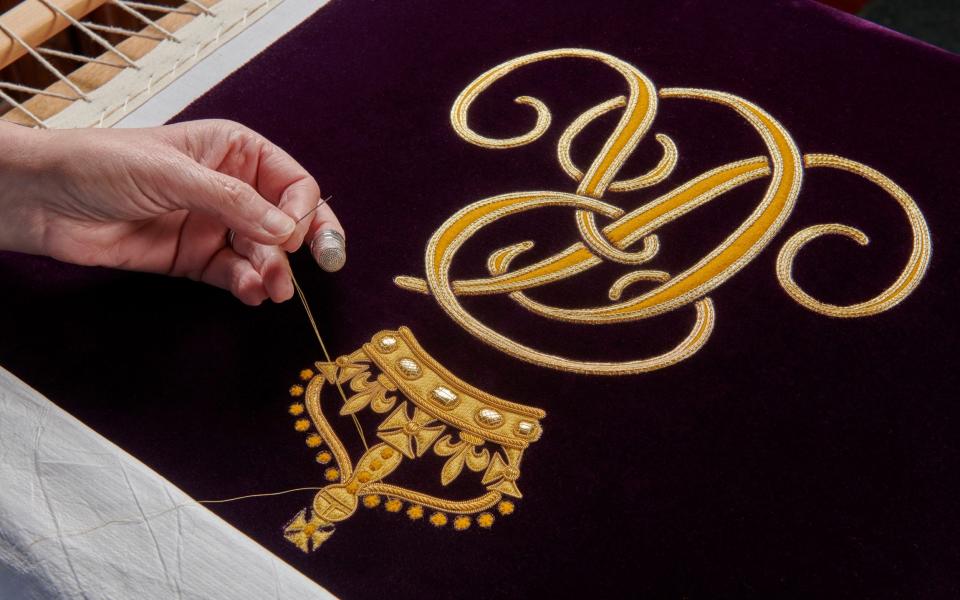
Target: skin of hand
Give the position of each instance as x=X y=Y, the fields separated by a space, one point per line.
x=161 y=200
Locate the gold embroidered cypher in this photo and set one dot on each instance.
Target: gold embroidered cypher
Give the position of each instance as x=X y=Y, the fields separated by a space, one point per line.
x=783 y=167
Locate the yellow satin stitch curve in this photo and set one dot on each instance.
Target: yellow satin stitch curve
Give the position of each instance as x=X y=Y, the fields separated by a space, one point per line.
x=639 y=112
x=908 y=279
x=783 y=166
x=725 y=260
x=465 y=223
x=325 y=429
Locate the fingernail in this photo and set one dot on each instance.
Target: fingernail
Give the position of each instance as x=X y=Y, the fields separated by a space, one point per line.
x=276 y=222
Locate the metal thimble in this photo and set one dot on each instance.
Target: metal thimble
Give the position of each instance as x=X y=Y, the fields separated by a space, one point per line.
x=329 y=250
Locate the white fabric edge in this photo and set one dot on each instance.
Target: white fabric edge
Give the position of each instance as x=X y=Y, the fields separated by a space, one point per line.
x=223 y=61
x=81 y=518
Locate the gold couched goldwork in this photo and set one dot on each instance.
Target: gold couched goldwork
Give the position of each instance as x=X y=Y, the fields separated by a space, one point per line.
x=782 y=167
x=427 y=408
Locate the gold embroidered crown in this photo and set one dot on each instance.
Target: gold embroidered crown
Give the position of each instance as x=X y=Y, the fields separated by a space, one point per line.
x=437 y=411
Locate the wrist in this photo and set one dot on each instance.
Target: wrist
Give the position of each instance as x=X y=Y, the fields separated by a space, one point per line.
x=25 y=182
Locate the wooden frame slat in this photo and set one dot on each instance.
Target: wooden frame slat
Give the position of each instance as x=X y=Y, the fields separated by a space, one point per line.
x=36 y=23
x=93 y=75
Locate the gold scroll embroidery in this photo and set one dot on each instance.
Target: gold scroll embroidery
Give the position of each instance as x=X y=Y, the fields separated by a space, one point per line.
x=427 y=408
x=615 y=242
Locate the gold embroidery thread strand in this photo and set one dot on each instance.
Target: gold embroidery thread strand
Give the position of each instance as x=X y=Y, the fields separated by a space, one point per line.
x=262 y=495
x=783 y=167
x=165 y=511
x=316 y=331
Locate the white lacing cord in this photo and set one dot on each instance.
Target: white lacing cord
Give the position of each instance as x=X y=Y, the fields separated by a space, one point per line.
x=6 y=97
x=123 y=31
x=17 y=87
x=56 y=72
x=132 y=10
x=90 y=33
x=78 y=57
x=159 y=8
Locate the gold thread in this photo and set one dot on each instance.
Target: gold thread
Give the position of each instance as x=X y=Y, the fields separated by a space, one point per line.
x=323 y=347
x=474 y=505
x=658 y=173
x=142 y=518
x=463 y=389
x=783 y=167
x=466 y=222
x=617 y=287
x=485 y=520
x=324 y=429
x=409 y=436
x=461 y=453
x=909 y=277
x=624 y=231
x=263 y=495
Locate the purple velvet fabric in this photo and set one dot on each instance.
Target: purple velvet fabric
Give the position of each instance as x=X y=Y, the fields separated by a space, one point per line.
x=794 y=456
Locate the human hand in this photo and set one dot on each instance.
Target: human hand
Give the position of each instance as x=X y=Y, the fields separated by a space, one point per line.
x=161 y=200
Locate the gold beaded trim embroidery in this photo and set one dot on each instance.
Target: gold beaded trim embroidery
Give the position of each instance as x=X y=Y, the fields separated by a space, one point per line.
x=427 y=409
x=782 y=167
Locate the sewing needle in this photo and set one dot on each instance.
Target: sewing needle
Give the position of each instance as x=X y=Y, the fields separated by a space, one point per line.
x=319 y=204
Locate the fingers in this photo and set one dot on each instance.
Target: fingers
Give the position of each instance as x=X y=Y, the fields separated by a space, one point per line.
x=323 y=218
x=298 y=200
x=271 y=264
x=238 y=206
x=253 y=272
x=230 y=271
x=239 y=152
x=279 y=176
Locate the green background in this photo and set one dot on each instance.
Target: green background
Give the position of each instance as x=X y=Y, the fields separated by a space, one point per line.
x=934 y=21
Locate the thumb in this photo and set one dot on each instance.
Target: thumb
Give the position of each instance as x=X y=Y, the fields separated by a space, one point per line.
x=237 y=206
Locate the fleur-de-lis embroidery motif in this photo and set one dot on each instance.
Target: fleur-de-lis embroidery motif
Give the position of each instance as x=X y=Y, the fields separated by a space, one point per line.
x=464 y=452
x=405 y=433
x=343 y=369
x=369 y=392
x=502 y=476
x=392 y=365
